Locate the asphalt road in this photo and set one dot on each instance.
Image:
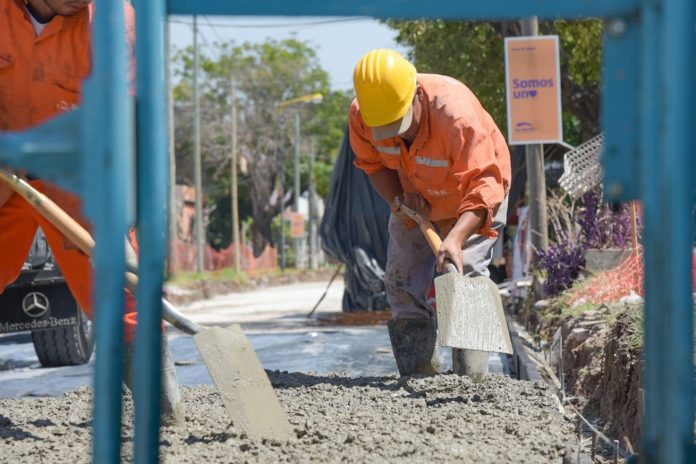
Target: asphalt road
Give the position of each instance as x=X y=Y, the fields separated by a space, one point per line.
x=274 y=319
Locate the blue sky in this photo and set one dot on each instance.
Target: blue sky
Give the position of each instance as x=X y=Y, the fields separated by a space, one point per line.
x=340 y=42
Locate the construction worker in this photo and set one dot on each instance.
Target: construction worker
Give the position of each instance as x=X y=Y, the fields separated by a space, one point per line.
x=424 y=140
x=45 y=48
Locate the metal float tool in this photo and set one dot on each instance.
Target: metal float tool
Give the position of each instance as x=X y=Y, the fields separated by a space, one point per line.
x=470 y=312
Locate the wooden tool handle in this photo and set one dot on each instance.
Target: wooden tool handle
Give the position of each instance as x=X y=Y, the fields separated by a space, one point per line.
x=427 y=227
x=431 y=235
x=77 y=234
x=67 y=226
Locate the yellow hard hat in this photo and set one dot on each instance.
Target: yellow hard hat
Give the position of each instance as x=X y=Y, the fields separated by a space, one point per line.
x=385 y=83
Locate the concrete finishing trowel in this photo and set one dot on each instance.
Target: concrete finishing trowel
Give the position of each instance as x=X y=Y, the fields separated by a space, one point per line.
x=230 y=358
x=470 y=316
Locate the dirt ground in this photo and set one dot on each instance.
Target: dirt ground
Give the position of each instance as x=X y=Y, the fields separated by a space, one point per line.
x=336 y=419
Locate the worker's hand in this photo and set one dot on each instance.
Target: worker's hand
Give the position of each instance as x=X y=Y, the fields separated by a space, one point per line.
x=450 y=250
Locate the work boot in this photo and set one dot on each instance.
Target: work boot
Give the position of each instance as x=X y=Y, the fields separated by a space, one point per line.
x=471 y=363
x=413 y=344
x=170 y=401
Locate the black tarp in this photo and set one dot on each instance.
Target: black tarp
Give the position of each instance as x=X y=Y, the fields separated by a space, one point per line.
x=354 y=232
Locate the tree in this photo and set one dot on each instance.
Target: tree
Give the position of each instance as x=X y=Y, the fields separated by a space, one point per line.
x=473 y=53
x=264 y=75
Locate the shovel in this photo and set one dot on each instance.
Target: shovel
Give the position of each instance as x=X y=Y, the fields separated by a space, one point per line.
x=470 y=312
x=231 y=360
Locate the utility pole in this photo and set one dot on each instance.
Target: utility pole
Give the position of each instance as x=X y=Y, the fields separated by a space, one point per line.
x=234 y=187
x=313 y=257
x=282 y=209
x=299 y=242
x=173 y=217
x=197 y=153
x=536 y=175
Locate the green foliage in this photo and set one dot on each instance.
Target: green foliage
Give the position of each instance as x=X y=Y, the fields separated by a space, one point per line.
x=581 y=45
x=264 y=74
x=470 y=52
x=474 y=54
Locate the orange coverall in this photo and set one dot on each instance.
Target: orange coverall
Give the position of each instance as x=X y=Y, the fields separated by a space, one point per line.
x=459 y=160
x=40 y=77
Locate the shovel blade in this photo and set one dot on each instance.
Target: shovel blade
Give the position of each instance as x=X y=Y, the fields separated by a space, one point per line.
x=242 y=383
x=470 y=314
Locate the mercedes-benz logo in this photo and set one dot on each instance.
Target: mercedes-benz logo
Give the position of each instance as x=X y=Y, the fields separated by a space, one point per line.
x=35 y=304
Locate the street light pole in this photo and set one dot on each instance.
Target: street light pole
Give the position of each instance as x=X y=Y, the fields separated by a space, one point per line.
x=304 y=99
x=299 y=241
x=234 y=187
x=313 y=258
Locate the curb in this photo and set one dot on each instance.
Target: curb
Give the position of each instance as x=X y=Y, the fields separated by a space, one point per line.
x=524 y=368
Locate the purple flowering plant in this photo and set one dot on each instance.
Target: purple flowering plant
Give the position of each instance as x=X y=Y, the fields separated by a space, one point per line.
x=574 y=229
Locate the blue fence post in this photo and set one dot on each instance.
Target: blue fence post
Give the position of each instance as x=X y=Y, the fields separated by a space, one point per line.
x=651 y=105
x=107 y=148
x=153 y=173
x=664 y=171
x=675 y=422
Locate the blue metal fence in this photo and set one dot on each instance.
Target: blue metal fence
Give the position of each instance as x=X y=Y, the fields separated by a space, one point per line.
x=648 y=118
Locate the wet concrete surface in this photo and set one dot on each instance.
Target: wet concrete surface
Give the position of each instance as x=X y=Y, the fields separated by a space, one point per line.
x=442 y=419
x=280 y=334
x=365 y=414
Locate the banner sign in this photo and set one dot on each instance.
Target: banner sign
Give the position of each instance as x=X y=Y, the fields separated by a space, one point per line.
x=297 y=225
x=533 y=87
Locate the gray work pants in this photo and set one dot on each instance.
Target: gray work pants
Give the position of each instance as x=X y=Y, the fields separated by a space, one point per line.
x=411 y=265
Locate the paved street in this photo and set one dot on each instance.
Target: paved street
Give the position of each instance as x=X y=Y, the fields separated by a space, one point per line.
x=274 y=318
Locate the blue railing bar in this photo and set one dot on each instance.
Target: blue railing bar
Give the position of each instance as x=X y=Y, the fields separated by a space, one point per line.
x=405 y=9
x=619 y=107
x=654 y=261
x=153 y=174
x=107 y=145
x=676 y=420
x=51 y=150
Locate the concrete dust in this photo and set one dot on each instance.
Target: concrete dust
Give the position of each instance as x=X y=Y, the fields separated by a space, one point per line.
x=336 y=419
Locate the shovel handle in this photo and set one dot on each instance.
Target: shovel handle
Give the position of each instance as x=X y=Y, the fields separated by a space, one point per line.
x=67 y=226
x=428 y=229
x=77 y=234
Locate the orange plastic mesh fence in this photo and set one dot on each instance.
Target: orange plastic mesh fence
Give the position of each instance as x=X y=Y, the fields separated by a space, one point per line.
x=611 y=286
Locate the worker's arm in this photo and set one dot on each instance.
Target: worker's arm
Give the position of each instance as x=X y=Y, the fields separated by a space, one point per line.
x=483 y=187
x=451 y=249
x=384 y=180
x=387 y=184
